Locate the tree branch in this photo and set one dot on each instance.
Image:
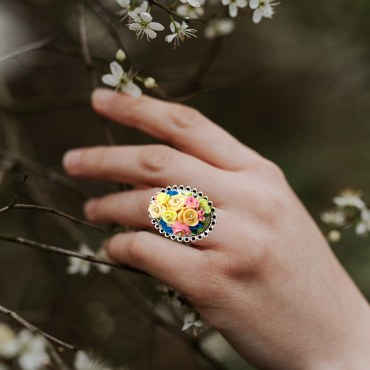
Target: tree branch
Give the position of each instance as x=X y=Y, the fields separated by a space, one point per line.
x=35 y=330
x=11 y=204
x=65 y=252
x=33 y=46
x=186 y=19
x=89 y=63
x=56 y=212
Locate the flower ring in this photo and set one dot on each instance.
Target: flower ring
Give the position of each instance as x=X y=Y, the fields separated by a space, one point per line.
x=182 y=213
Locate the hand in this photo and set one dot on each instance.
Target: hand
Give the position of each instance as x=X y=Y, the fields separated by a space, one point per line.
x=265 y=278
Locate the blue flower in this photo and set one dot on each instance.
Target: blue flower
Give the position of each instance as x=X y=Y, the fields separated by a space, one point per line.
x=199 y=226
x=166 y=228
x=172 y=192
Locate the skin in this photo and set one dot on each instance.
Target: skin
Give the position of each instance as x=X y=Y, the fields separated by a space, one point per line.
x=266 y=278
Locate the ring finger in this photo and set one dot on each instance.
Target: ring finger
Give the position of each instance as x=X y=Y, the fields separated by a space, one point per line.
x=131 y=208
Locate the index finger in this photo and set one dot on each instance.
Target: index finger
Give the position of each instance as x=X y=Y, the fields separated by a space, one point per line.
x=183 y=127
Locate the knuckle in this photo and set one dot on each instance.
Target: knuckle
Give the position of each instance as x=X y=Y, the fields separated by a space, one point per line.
x=155 y=158
x=273 y=170
x=185 y=116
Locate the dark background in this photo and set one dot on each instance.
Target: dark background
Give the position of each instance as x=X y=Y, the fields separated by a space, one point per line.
x=295 y=88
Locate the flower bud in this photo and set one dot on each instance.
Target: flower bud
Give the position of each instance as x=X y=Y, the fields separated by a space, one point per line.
x=120 y=55
x=150 y=83
x=334 y=236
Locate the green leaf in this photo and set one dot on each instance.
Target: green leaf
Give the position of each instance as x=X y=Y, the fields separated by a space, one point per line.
x=203 y=222
x=195 y=232
x=189 y=194
x=206 y=214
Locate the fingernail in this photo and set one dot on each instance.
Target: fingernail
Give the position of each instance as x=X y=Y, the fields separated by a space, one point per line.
x=90 y=206
x=72 y=158
x=101 y=97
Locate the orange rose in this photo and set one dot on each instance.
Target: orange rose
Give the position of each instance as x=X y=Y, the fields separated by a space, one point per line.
x=176 y=202
x=188 y=216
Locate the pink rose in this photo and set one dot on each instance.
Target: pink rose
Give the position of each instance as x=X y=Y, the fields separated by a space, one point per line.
x=155 y=197
x=201 y=215
x=192 y=202
x=177 y=227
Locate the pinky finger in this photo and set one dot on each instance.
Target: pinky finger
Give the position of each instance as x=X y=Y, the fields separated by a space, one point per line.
x=172 y=263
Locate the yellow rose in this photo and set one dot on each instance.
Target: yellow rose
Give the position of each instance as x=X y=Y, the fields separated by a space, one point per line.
x=176 y=202
x=188 y=216
x=169 y=216
x=156 y=209
x=203 y=205
x=163 y=198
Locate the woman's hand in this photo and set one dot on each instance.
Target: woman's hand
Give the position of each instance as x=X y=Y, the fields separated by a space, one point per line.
x=265 y=278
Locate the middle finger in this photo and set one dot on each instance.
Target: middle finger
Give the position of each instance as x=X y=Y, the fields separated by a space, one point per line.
x=152 y=165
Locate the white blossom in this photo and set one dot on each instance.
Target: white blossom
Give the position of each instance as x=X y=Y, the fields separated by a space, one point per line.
x=125 y=4
x=120 y=55
x=190 y=320
x=363 y=227
x=187 y=10
x=334 y=217
x=8 y=342
x=220 y=27
x=194 y=3
x=121 y=80
x=170 y=295
x=80 y=266
x=149 y=83
x=350 y=198
x=234 y=5
x=85 y=362
x=142 y=8
x=142 y=24
x=263 y=8
x=334 y=236
x=31 y=351
x=179 y=33
x=103 y=269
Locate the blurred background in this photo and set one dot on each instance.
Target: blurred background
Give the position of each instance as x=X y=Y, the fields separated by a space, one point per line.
x=295 y=88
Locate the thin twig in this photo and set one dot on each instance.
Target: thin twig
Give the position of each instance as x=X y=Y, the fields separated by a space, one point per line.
x=65 y=252
x=83 y=41
x=109 y=24
x=35 y=330
x=56 y=212
x=11 y=204
x=88 y=62
x=33 y=46
x=143 y=304
x=186 y=19
x=46 y=173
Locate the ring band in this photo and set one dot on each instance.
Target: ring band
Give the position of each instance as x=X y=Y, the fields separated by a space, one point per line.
x=182 y=213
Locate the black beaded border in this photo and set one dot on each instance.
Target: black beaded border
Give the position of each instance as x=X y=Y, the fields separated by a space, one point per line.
x=186 y=239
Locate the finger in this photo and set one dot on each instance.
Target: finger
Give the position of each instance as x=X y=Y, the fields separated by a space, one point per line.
x=131 y=208
x=126 y=208
x=183 y=127
x=174 y=264
x=154 y=165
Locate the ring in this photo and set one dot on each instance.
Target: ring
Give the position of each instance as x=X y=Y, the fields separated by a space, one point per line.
x=182 y=213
